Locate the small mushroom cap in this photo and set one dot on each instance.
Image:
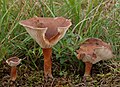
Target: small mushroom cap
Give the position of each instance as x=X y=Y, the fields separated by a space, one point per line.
x=46 y=31
x=93 y=50
x=13 y=61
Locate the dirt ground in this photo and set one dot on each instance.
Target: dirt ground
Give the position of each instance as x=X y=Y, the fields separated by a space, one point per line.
x=103 y=75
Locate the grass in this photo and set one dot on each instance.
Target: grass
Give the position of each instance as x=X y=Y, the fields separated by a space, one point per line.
x=90 y=18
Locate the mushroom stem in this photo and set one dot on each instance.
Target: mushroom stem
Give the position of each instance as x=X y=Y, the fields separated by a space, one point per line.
x=47 y=52
x=88 y=67
x=13 y=73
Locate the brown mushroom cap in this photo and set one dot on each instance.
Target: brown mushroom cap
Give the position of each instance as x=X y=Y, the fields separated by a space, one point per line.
x=46 y=31
x=13 y=61
x=51 y=23
x=93 y=50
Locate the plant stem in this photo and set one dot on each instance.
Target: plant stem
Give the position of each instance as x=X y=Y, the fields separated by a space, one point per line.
x=88 y=67
x=13 y=73
x=47 y=52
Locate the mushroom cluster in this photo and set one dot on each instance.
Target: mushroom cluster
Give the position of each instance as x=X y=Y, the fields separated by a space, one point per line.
x=46 y=32
x=92 y=51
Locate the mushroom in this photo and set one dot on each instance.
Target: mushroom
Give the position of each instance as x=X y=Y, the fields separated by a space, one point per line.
x=13 y=62
x=46 y=32
x=92 y=51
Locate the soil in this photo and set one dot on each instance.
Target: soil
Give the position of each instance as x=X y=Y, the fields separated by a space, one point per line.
x=103 y=74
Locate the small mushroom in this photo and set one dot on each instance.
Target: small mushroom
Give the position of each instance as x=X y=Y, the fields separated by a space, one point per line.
x=92 y=51
x=13 y=62
x=46 y=32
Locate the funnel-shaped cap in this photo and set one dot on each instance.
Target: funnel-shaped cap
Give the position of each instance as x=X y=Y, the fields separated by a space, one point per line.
x=46 y=31
x=93 y=50
x=13 y=61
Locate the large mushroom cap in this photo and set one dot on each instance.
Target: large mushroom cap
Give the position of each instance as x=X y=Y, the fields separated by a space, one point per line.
x=46 y=31
x=93 y=50
x=13 y=61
